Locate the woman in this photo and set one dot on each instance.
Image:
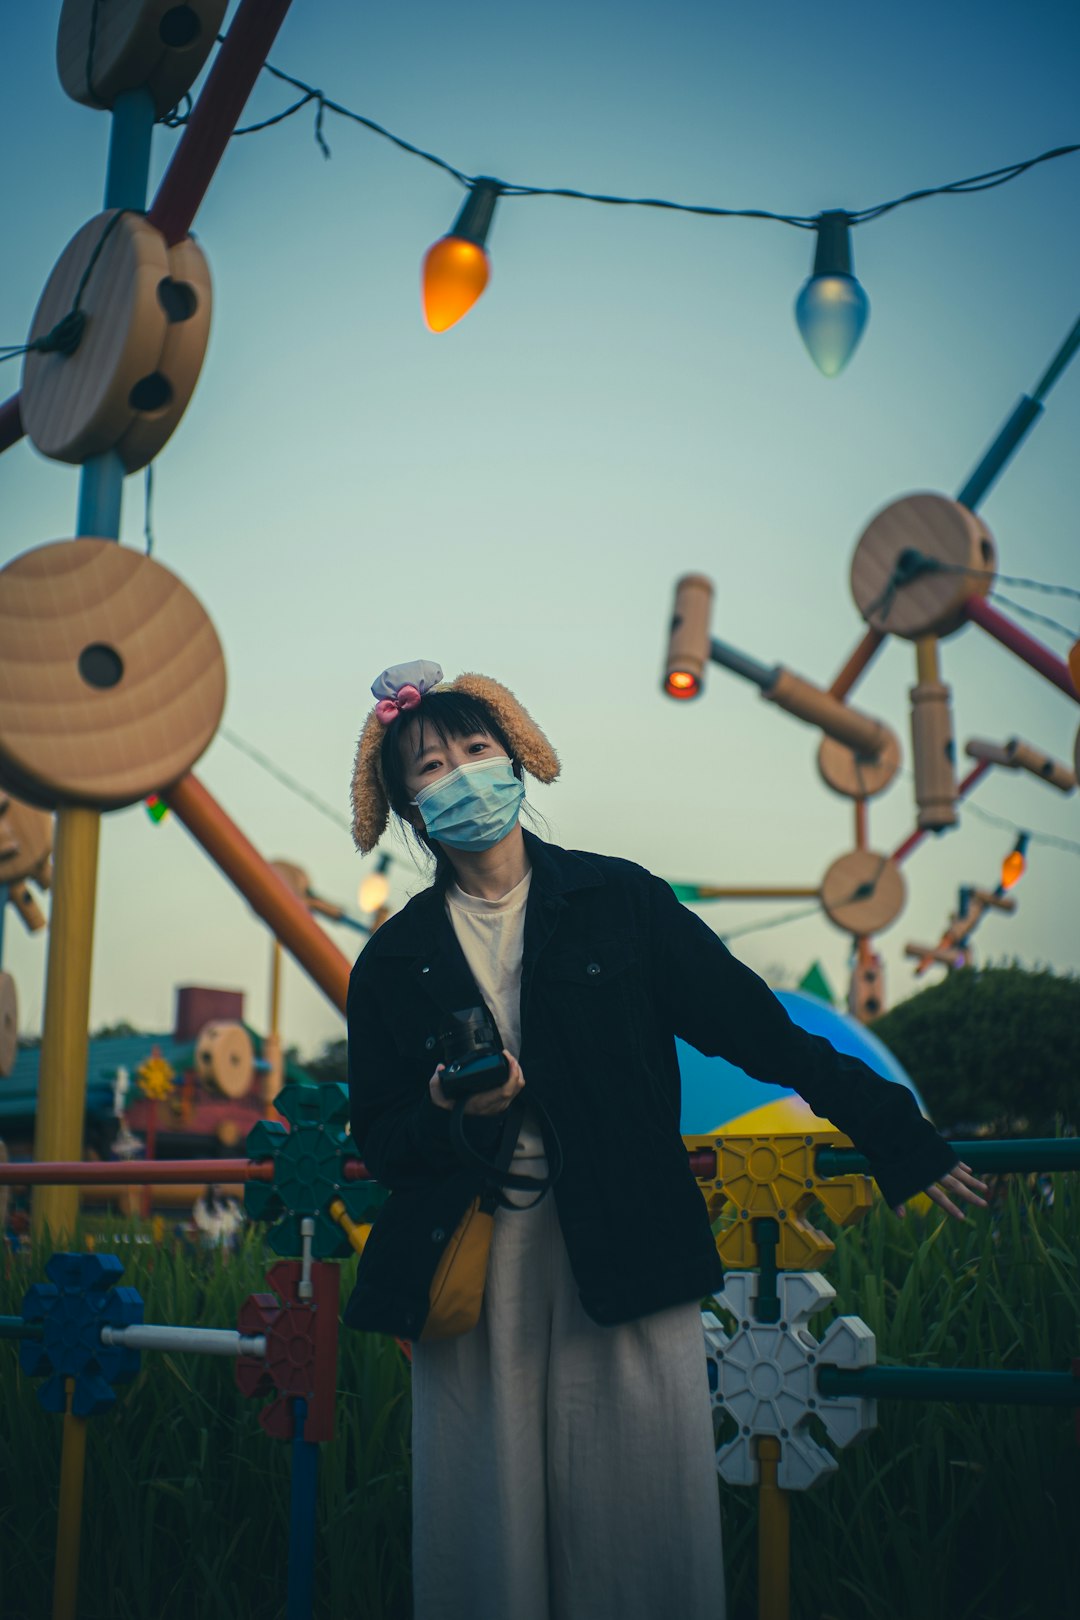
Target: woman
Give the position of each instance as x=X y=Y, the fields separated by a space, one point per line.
x=563 y=1463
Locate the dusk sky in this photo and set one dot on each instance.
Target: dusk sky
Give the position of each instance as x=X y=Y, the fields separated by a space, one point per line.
x=628 y=402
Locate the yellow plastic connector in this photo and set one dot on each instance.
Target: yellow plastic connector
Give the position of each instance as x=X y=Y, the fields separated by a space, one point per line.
x=357 y=1234
x=156 y=1076
x=774 y=1176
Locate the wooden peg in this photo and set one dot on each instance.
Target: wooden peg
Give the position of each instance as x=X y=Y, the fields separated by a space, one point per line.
x=9 y=1024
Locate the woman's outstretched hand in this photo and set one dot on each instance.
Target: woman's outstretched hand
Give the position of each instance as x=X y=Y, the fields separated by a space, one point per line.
x=960 y=1183
x=483 y=1102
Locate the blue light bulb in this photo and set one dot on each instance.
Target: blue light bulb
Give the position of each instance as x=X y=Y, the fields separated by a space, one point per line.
x=832 y=308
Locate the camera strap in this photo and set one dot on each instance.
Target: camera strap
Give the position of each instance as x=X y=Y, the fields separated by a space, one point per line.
x=497 y=1175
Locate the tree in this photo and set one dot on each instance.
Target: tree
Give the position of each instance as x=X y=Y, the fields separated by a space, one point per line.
x=993 y=1046
x=331 y=1064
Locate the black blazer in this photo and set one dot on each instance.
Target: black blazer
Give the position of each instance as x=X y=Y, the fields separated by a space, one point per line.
x=614 y=967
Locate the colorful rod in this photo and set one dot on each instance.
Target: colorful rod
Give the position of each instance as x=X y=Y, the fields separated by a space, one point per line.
x=213 y=119
x=69 y=1511
x=860 y=658
x=167 y=1172
x=193 y=1340
x=263 y=889
x=1047 y=1153
x=774 y=1535
x=902 y=851
x=985 y=1386
x=302 y=1503
x=1041 y=659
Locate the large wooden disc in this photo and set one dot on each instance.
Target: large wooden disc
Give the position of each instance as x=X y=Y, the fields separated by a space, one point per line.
x=9 y=1024
x=79 y=405
x=112 y=678
x=225 y=1058
x=104 y=47
x=862 y=892
x=852 y=774
x=163 y=396
x=893 y=597
x=25 y=839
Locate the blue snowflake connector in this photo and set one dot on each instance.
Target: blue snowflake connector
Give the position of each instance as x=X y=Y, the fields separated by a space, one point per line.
x=80 y=1299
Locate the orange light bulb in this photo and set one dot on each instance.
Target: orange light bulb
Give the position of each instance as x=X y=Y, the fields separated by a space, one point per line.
x=1012 y=869
x=681 y=684
x=455 y=274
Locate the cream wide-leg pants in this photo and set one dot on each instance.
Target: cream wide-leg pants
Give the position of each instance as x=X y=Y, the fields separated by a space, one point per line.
x=562 y=1470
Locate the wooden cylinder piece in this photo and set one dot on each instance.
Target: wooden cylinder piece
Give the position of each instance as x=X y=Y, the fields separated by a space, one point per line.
x=934 y=753
x=893 y=588
x=9 y=1024
x=112 y=679
x=25 y=840
x=106 y=47
x=225 y=1059
x=129 y=380
x=808 y=702
x=689 y=639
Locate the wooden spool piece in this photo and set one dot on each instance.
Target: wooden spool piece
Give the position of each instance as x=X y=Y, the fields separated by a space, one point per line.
x=854 y=775
x=76 y=406
x=112 y=678
x=128 y=382
x=25 y=840
x=225 y=1058
x=105 y=47
x=9 y=1024
x=929 y=602
x=163 y=395
x=862 y=892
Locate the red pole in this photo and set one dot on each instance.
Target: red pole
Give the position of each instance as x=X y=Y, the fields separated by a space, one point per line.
x=266 y=893
x=11 y=423
x=1040 y=658
x=965 y=787
x=236 y=67
x=858 y=661
x=143 y=1172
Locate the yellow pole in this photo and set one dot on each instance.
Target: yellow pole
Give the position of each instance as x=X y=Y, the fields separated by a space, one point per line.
x=69 y=1514
x=357 y=1235
x=275 y=987
x=61 y=1106
x=927 y=669
x=774 y=1536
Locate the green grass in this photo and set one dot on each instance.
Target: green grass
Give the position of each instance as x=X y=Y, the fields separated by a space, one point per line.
x=945 y=1512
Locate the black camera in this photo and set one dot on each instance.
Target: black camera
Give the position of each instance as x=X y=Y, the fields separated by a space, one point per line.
x=472 y=1053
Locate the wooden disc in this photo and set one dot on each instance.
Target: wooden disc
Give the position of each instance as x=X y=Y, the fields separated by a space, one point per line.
x=852 y=774
x=112 y=678
x=862 y=892
x=104 y=47
x=9 y=1024
x=225 y=1058
x=294 y=877
x=25 y=839
x=162 y=397
x=931 y=602
x=190 y=31
x=79 y=405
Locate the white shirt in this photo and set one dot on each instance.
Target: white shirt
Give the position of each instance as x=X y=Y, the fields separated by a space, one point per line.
x=491 y=934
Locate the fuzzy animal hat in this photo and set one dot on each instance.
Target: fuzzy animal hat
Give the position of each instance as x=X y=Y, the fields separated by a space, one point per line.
x=401 y=689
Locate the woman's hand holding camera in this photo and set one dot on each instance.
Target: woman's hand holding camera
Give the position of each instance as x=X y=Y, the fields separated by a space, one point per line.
x=482 y=1102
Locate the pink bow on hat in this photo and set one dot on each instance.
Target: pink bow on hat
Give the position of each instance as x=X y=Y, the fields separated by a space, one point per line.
x=388 y=709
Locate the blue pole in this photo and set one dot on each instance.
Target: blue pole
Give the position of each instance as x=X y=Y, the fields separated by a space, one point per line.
x=1008 y=440
x=126 y=175
x=305 y=1467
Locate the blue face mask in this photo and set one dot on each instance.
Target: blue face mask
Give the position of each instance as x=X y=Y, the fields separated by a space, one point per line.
x=474 y=806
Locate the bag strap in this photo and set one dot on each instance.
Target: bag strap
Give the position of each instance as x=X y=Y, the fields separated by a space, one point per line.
x=497 y=1175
